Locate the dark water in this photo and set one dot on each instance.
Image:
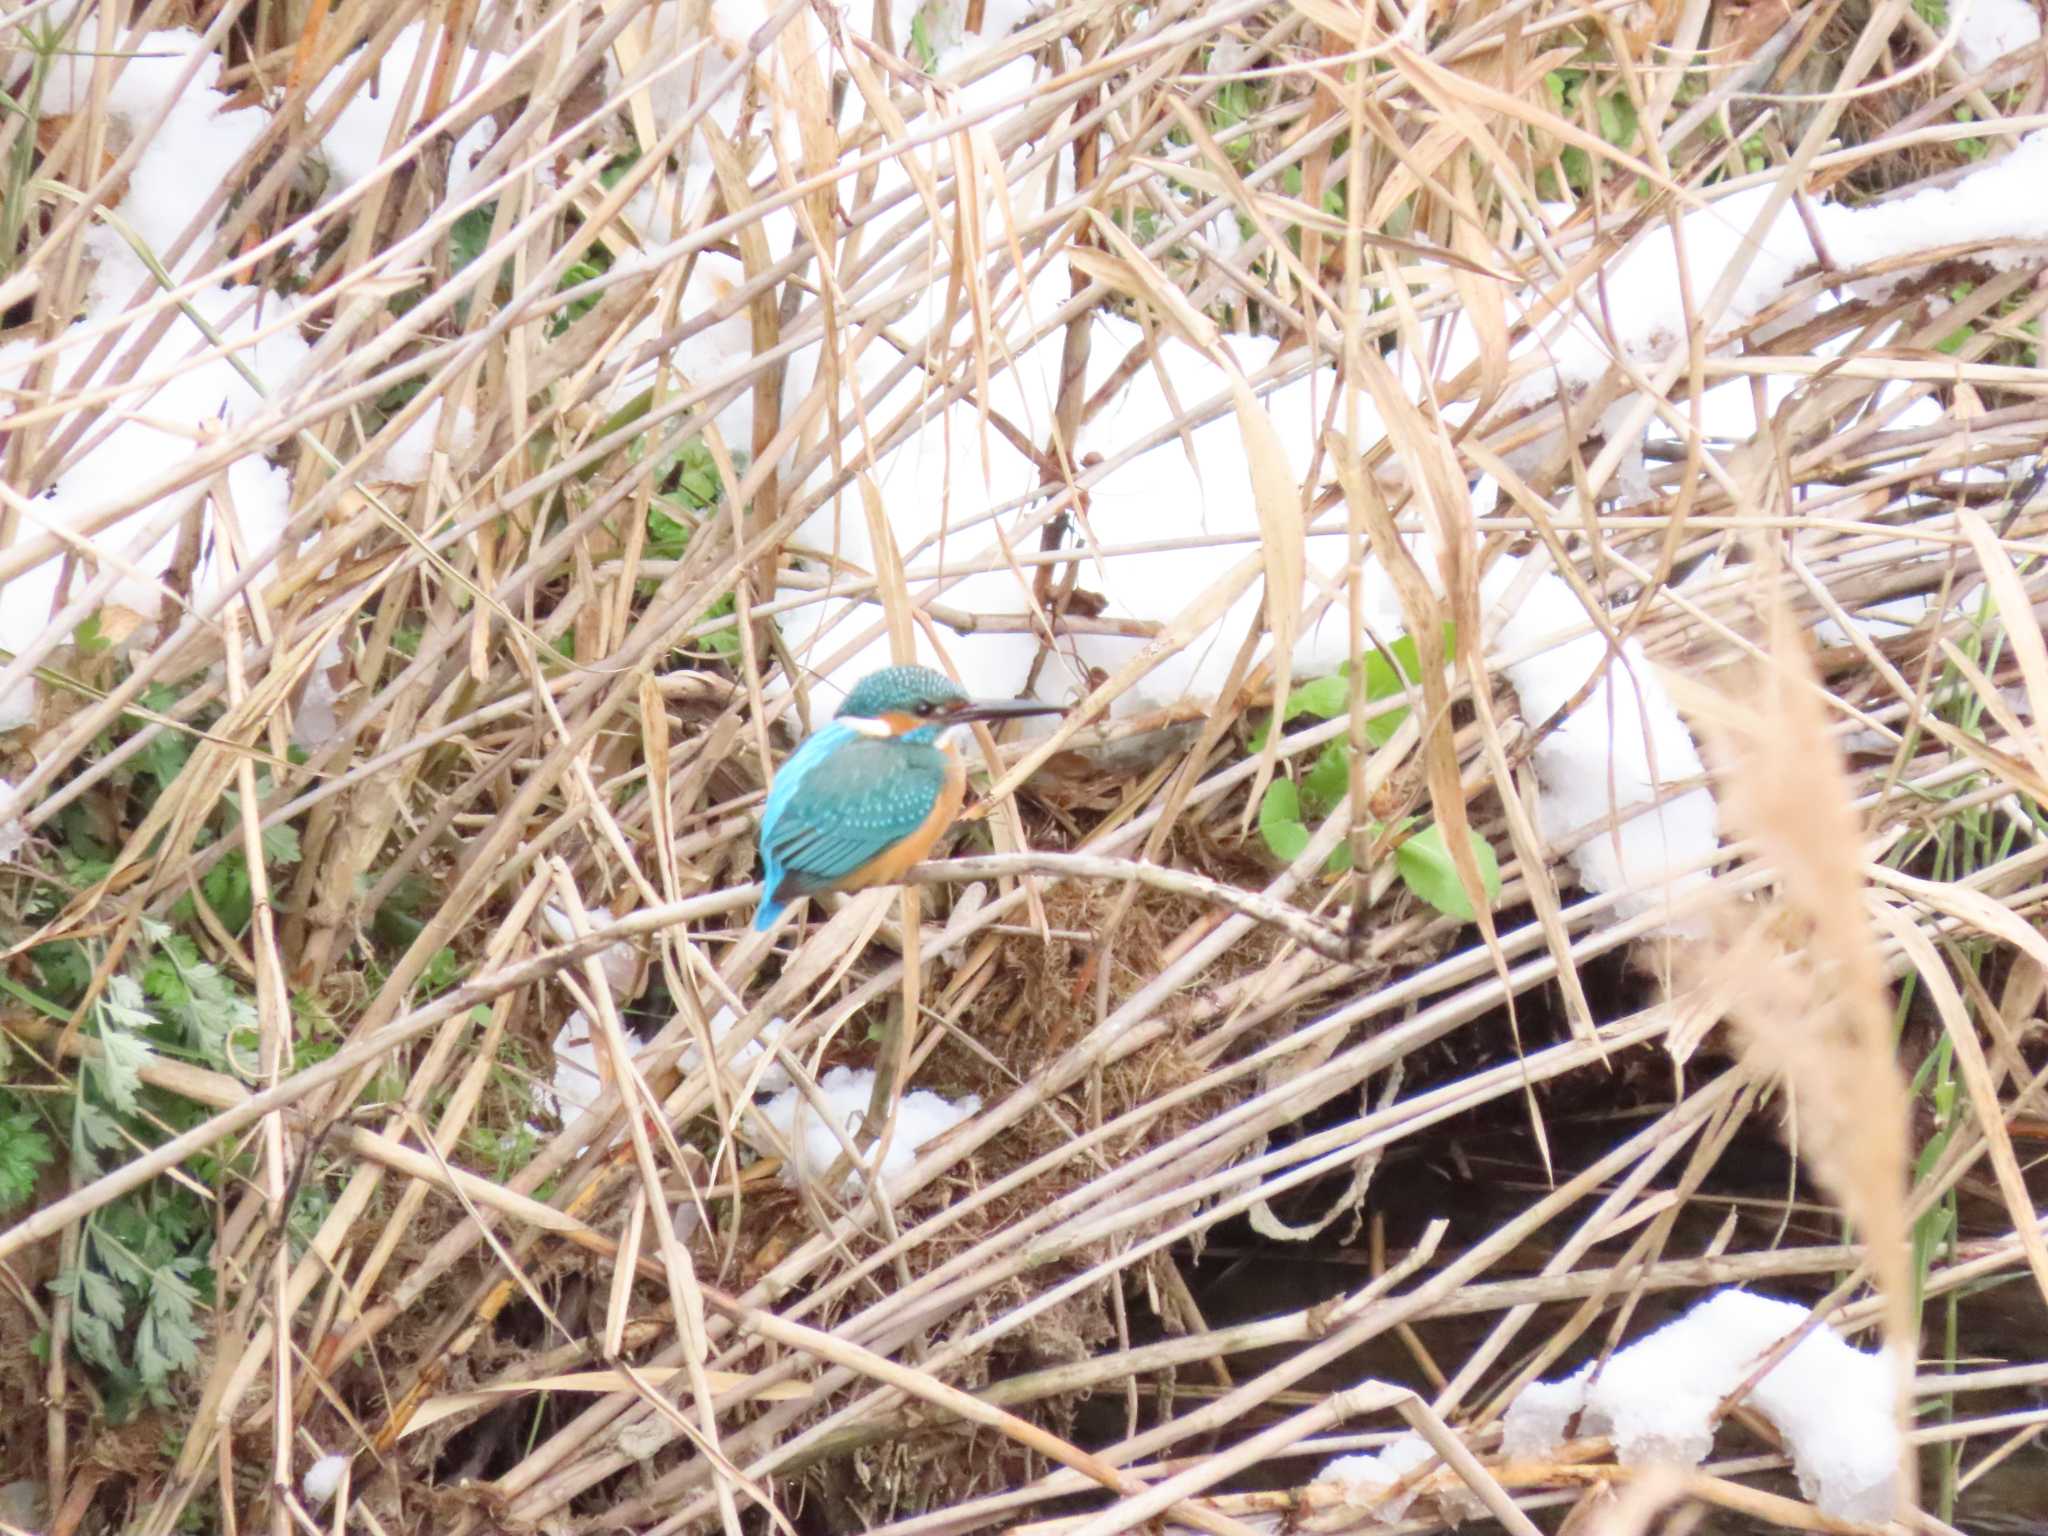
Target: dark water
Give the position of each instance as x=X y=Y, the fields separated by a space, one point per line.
x=1479 y=1181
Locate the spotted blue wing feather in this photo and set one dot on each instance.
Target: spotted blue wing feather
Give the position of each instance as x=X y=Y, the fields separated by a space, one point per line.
x=841 y=800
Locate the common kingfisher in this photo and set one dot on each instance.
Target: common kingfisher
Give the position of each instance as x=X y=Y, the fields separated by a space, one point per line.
x=865 y=798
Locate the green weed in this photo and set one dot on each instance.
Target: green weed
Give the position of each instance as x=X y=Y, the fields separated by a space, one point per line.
x=1421 y=856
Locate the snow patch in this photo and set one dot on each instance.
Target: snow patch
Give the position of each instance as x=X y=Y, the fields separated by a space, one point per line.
x=1368 y=1479
x=620 y=961
x=577 y=1085
x=921 y=1117
x=186 y=390
x=406 y=461
x=1658 y=1397
x=355 y=142
x=740 y=1065
x=323 y=1478
x=12 y=833
x=1989 y=30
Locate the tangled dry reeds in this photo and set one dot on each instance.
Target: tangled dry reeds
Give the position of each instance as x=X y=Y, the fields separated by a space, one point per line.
x=453 y=449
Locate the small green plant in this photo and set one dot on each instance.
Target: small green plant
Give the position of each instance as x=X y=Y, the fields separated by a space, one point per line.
x=25 y=1151
x=226 y=884
x=216 y=1023
x=40 y=42
x=90 y=637
x=722 y=643
x=1971 y=148
x=138 y=1281
x=592 y=264
x=1958 y=338
x=1614 y=115
x=686 y=484
x=923 y=52
x=1421 y=857
x=1387 y=676
x=2014 y=352
x=499 y=1154
x=1232 y=105
x=137 y=1290
x=140 y=1274
x=467 y=240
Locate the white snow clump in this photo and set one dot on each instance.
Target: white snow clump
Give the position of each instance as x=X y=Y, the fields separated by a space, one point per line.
x=740 y=1066
x=323 y=1478
x=1368 y=1478
x=187 y=391
x=1657 y=1398
x=921 y=1116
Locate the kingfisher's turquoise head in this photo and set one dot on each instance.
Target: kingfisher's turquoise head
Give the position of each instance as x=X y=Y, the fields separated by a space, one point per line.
x=919 y=705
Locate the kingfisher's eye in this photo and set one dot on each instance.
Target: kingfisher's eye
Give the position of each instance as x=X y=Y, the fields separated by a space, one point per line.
x=925 y=707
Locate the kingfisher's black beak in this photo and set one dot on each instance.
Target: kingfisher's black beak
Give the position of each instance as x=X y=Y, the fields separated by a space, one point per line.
x=999 y=709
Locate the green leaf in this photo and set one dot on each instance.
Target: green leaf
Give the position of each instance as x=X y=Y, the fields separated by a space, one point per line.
x=667 y=539
x=121 y=1014
x=1617 y=116
x=577 y=274
x=1324 y=786
x=443 y=969
x=1562 y=86
x=165 y=755
x=722 y=642
x=1280 y=821
x=1424 y=861
x=24 y=1154
x=1324 y=697
x=192 y=994
x=65 y=968
x=281 y=845
x=228 y=891
x=122 y=1006
x=94 y=1128
x=120 y=1069
x=94 y=1339
x=472 y=232
x=101 y=1295
x=1387 y=680
x=168 y=1340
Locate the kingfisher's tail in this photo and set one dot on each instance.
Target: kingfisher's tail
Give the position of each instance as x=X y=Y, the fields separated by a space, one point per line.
x=764 y=919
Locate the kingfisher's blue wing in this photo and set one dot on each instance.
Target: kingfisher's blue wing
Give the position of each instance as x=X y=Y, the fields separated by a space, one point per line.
x=841 y=800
